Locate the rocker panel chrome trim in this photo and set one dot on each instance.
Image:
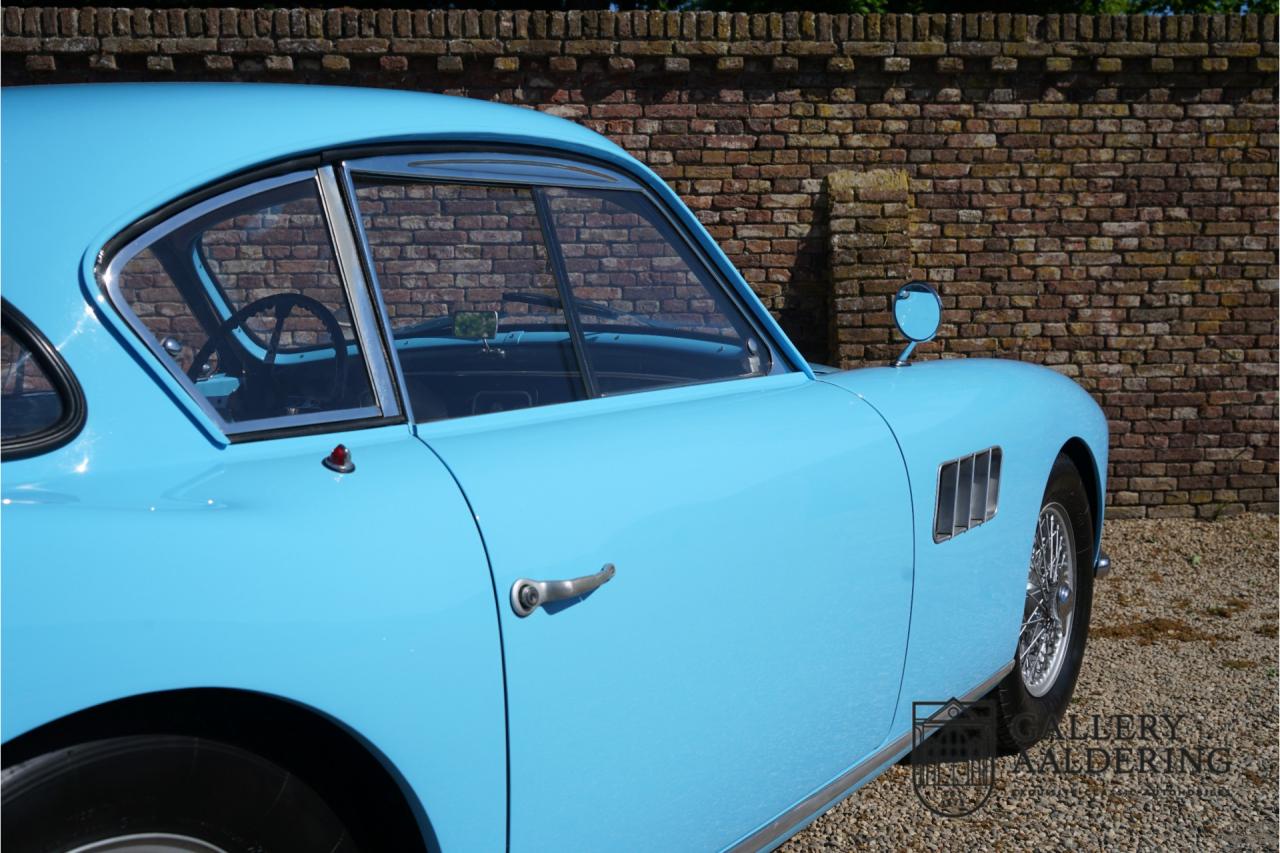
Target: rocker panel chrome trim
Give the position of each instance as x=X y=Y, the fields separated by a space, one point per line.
x=789 y=822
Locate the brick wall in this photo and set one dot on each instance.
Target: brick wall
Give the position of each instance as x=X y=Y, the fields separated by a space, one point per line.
x=439 y=248
x=442 y=248
x=1094 y=193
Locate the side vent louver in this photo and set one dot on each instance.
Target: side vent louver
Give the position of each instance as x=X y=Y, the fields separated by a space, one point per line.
x=968 y=492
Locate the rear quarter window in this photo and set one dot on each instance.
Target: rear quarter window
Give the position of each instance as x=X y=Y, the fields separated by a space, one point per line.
x=41 y=404
x=243 y=301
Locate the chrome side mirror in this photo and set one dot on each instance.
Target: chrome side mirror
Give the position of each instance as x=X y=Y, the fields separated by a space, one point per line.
x=917 y=311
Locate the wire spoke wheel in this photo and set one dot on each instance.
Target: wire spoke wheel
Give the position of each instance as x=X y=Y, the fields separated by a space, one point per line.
x=1051 y=594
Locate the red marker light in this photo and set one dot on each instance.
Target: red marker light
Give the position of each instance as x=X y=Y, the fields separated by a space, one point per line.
x=340 y=460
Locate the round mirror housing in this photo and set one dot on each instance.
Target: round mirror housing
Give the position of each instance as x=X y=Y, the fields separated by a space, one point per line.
x=917 y=311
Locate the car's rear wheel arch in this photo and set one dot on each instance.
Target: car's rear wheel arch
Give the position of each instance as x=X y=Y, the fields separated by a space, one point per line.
x=356 y=781
x=1082 y=457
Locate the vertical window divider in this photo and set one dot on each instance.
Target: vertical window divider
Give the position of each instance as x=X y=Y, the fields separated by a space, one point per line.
x=556 y=257
x=348 y=186
x=358 y=295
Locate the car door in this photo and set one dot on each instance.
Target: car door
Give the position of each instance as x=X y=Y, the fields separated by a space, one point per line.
x=748 y=645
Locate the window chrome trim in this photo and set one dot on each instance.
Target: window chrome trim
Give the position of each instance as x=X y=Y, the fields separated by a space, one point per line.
x=351 y=272
x=375 y=288
x=305 y=420
x=492 y=168
x=109 y=280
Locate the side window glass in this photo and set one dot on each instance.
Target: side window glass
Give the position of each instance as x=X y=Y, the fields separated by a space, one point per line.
x=288 y=245
x=41 y=406
x=652 y=314
x=31 y=404
x=471 y=296
x=247 y=304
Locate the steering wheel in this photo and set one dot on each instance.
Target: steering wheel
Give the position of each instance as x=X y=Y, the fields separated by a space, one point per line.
x=283 y=304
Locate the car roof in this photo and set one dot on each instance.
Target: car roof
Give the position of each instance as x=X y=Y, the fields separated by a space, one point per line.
x=134 y=146
x=82 y=162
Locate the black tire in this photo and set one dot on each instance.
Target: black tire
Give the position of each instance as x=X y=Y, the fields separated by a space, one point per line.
x=1024 y=718
x=206 y=790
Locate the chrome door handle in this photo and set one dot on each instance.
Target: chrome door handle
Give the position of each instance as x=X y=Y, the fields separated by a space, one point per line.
x=527 y=596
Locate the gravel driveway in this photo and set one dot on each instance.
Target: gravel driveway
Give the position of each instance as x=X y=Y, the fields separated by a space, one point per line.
x=1185 y=625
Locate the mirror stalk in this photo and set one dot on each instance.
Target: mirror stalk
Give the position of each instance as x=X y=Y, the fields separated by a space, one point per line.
x=901 y=360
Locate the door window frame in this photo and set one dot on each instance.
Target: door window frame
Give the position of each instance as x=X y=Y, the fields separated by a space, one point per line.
x=537 y=172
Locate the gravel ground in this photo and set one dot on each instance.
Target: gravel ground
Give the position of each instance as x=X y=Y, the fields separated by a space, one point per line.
x=1184 y=625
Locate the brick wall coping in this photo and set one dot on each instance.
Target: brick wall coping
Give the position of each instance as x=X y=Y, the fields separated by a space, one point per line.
x=676 y=32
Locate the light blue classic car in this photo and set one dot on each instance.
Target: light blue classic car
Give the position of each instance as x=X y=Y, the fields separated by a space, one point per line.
x=387 y=471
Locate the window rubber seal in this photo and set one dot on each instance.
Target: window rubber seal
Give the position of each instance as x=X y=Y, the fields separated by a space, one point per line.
x=74 y=405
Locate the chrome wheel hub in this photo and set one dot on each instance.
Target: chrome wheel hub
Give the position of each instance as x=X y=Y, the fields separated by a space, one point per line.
x=1064 y=600
x=1046 y=619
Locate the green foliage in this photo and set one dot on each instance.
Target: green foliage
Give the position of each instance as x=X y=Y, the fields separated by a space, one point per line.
x=1202 y=7
x=835 y=7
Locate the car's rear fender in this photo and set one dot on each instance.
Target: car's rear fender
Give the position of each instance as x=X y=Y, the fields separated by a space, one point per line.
x=364 y=598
